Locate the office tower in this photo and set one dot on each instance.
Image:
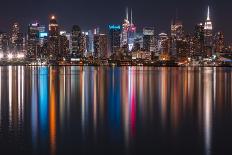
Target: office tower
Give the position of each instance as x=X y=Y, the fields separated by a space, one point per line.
x=63 y=45
x=138 y=42
x=208 y=35
x=198 y=41
x=33 y=40
x=149 y=39
x=76 y=38
x=219 y=42
x=125 y=29
x=114 y=35
x=16 y=39
x=53 y=38
x=163 y=44
x=176 y=29
x=89 y=41
x=5 y=42
x=131 y=33
x=100 y=46
x=176 y=35
x=183 y=45
x=43 y=35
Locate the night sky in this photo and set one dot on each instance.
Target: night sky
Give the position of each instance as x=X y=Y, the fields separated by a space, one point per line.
x=92 y=13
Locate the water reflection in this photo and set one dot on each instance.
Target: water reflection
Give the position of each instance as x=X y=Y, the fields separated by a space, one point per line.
x=86 y=110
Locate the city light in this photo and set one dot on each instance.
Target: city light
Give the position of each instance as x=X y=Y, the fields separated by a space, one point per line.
x=1 y=55
x=20 y=55
x=10 y=56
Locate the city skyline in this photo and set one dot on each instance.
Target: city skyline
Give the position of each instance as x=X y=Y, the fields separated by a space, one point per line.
x=159 y=18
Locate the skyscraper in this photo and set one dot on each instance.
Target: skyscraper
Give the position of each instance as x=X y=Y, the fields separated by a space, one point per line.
x=198 y=41
x=176 y=35
x=125 y=29
x=76 y=38
x=219 y=42
x=100 y=45
x=16 y=39
x=149 y=39
x=208 y=35
x=114 y=35
x=131 y=33
x=32 y=40
x=53 y=38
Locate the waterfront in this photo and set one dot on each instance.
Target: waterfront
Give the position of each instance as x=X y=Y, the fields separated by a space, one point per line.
x=111 y=110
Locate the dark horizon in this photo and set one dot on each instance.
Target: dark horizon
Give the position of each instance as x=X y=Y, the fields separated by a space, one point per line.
x=101 y=13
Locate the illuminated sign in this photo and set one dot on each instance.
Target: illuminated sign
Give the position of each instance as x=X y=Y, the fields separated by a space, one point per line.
x=43 y=34
x=117 y=27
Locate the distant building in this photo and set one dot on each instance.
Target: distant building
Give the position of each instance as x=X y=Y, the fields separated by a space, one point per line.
x=149 y=39
x=125 y=29
x=53 y=38
x=114 y=35
x=219 y=42
x=163 y=44
x=4 y=42
x=177 y=34
x=33 y=40
x=208 y=35
x=16 y=39
x=100 y=46
x=76 y=38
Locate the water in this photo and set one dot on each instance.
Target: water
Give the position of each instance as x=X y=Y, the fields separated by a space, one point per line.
x=101 y=110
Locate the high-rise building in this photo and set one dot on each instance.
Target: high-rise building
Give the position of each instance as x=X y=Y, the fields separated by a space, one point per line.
x=198 y=41
x=63 y=45
x=208 y=35
x=163 y=44
x=16 y=39
x=33 y=40
x=219 y=42
x=131 y=33
x=53 y=38
x=128 y=31
x=114 y=35
x=125 y=29
x=149 y=39
x=100 y=46
x=4 y=42
x=176 y=35
x=176 y=29
x=76 y=38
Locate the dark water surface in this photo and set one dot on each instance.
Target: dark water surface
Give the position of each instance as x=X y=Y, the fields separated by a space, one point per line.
x=101 y=110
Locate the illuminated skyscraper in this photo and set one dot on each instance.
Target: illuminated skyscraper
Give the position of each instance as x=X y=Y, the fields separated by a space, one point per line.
x=177 y=29
x=163 y=44
x=76 y=38
x=16 y=39
x=176 y=35
x=198 y=41
x=128 y=31
x=149 y=39
x=131 y=33
x=53 y=38
x=208 y=35
x=125 y=29
x=100 y=45
x=219 y=42
x=114 y=34
x=32 y=40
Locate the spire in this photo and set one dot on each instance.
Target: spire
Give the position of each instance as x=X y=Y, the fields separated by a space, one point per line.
x=127 y=14
x=131 y=16
x=208 y=14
